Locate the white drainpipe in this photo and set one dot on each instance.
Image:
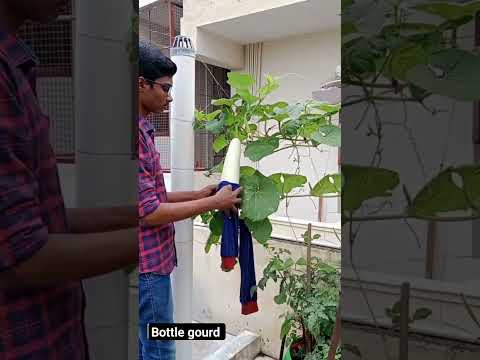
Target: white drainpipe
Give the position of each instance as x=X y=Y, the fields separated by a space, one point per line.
x=106 y=173
x=182 y=172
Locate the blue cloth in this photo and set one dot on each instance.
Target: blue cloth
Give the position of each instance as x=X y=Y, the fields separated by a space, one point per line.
x=155 y=306
x=235 y=231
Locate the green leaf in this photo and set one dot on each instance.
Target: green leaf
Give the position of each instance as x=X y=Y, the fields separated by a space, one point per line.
x=330 y=184
x=405 y=59
x=261 y=230
x=287 y=355
x=224 y=102
x=441 y=194
x=328 y=108
x=262 y=283
x=271 y=85
x=329 y=135
x=280 y=299
x=246 y=171
x=362 y=183
x=285 y=183
x=260 y=197
x=240 y=81
x=220 y=143
x=452 y=73
x=348 y=28
x=286 y=327
x=302 y=262
x=213 y=115
x=212 y=240
x=215 y=170
x=257 y=150
x=253 y=290
x=288 y=263
x=216 y=223
x=408 y=29
x=216 y=126
x=422 y=314
x=471 y=184
x=247 y=96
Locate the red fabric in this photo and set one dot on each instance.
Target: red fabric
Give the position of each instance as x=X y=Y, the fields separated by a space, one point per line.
x=249 y=308
x=228 y=263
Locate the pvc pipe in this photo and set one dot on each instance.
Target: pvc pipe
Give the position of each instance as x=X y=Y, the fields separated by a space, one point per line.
x=182 y=172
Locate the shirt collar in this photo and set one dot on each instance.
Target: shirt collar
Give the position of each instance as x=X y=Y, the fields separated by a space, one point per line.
x=146 y=126
x=16 y=51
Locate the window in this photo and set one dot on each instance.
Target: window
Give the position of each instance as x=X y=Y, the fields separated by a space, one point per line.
x=53 y=45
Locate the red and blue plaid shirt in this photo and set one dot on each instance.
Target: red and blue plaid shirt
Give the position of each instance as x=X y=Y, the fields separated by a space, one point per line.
x=34 y=324
x=157 y=243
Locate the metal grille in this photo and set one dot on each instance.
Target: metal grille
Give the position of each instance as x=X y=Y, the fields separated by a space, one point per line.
x=210 y=84
x=53 y=45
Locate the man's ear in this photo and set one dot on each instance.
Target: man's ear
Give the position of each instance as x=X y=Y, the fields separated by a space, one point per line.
x=141 y=84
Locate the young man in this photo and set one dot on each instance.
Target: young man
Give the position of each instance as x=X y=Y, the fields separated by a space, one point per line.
x=45 y=250
x=159 y=209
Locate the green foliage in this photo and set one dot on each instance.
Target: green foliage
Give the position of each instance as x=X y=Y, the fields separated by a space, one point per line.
x=264 y=129
x=311 y=305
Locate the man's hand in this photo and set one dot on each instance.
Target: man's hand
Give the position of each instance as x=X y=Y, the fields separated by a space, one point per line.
x=227 y=200
x=207 y=191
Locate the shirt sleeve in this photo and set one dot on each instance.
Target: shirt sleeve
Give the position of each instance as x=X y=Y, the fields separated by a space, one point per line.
x=22 y=230
x=147 y=196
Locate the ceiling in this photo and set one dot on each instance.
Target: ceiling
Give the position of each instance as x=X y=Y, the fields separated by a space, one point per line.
x=304 y=17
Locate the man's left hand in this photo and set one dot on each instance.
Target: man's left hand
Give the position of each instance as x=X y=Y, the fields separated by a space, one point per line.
x=207 y=191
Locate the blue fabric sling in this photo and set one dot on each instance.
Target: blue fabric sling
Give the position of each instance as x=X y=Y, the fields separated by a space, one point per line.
x=235 y=230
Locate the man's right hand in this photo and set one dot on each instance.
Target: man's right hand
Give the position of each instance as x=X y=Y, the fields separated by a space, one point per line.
x=227 y=200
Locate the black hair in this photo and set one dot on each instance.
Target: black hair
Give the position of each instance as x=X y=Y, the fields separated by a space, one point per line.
x=153 y=64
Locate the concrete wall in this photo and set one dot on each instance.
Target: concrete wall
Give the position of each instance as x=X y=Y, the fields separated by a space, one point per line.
x=199 y=12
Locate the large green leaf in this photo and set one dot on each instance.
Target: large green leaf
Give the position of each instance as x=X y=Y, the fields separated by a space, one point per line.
x=453 y=73
x=271 y=85
x=361 y=183
x=285 y=183
x=328 y=135
x=220 y=143
x=257 y=150
x=471 y=184
x=330 y=184
x=451 y=190
x=260 y=197
x=217 y=125
x=240 y=81
x=216 y=223
x=405 y=59
x=261 y=230
x=212 y=240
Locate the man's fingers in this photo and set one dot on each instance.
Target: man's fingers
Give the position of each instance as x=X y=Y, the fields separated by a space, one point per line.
x=238 y=191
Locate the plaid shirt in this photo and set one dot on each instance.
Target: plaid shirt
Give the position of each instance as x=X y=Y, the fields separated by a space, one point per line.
x=34 y=324
x=157 y=243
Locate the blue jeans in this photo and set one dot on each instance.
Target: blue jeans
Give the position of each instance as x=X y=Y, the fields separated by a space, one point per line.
x=155 y=306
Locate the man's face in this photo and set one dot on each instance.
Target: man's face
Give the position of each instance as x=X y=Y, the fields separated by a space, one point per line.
x=38 y=10
x=155 y=96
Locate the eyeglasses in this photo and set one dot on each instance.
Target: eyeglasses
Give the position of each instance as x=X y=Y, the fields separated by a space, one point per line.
x=167 y=88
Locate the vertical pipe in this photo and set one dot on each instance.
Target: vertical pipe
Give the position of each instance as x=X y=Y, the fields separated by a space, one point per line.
x=182 y=172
